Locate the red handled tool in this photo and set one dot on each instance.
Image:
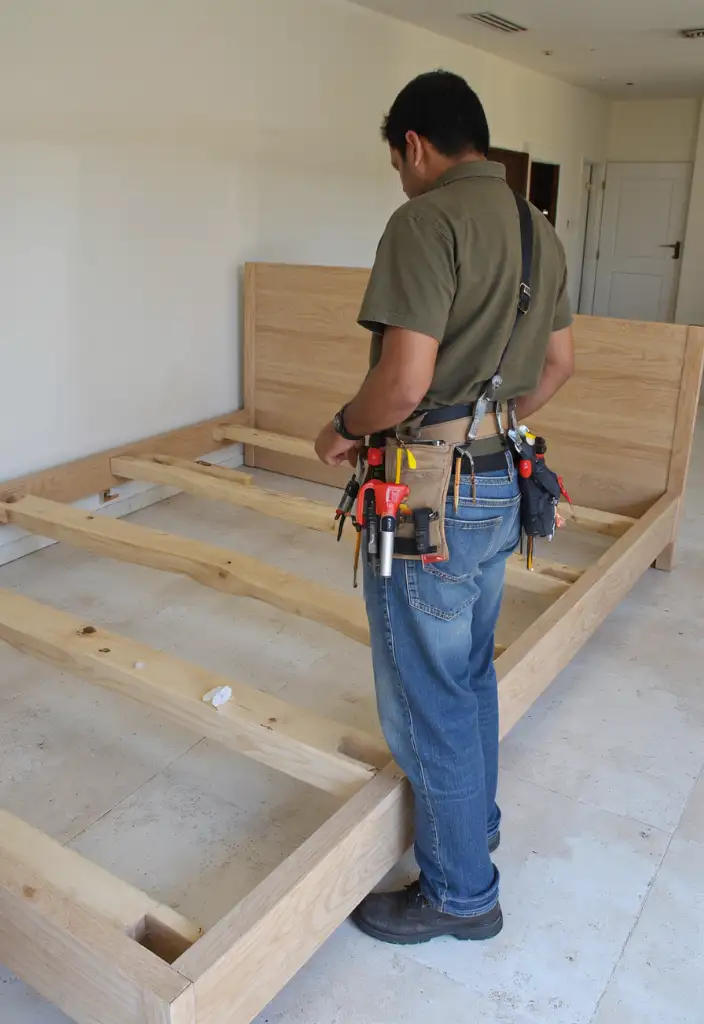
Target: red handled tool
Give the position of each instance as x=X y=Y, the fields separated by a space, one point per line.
x=380 y=516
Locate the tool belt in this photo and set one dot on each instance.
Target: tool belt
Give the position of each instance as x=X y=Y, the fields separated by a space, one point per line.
x=432 y=452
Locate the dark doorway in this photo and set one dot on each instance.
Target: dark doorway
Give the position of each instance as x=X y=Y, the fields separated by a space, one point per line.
x=516 y=165
x=544 y=186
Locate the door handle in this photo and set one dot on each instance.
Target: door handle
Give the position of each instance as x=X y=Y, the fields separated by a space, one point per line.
x=676 y=249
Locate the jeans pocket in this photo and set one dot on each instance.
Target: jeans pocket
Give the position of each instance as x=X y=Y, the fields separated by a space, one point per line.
x=445 y=589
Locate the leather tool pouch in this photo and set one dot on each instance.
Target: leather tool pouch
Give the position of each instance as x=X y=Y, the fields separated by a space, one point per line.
x=428 y=484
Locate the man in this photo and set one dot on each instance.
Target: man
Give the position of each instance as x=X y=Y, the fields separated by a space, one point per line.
x=441 y=305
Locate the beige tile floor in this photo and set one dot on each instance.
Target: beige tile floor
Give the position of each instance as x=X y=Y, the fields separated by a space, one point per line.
x=602 y=788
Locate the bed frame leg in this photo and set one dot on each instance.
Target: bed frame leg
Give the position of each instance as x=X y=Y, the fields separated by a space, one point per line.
x=666 y=560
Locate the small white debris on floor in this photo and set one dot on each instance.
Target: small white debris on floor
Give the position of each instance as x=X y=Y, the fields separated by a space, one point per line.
x=219 y=696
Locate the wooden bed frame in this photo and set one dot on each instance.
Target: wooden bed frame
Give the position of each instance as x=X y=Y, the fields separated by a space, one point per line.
x=106 y=953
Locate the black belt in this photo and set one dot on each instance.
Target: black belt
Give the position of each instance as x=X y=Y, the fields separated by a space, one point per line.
x=451 y=412
x=490 y=463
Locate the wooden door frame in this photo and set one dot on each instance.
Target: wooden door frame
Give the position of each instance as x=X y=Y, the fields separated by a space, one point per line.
x=591 y=242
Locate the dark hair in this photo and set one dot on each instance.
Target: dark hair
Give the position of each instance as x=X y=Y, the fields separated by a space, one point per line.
x=443 y=109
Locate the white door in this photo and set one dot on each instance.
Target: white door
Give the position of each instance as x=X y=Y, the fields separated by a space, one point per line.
x=642 y=232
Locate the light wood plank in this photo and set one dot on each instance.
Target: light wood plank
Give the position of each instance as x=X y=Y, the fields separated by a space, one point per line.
x=311 y=514
x=323 y=753
x=253 y=951
x=212 y=566
x=270 y=440
x=249 y=353
x=209 y=565
x=79 y=879
x=82 y=963
x=208 y=470
x=546 y=578
x=609 y=524
x=535 y=658
x=92 y=475
x=687 y=412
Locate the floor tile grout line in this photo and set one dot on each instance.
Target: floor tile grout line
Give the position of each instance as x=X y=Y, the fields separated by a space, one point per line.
x=644 y=901
x=598 y=807
x=132 y=792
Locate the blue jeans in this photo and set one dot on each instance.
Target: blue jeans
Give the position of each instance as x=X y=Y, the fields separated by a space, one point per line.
x=432 y=635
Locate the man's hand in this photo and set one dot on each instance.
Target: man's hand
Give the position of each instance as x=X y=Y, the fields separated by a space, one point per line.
x=334 y=450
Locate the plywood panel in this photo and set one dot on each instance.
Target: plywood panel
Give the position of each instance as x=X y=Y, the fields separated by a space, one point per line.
x=610 y=431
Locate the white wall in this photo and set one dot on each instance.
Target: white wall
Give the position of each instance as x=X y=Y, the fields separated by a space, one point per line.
x=690 y=304
x=669 y=130
x=148 y=149
x=653 y=130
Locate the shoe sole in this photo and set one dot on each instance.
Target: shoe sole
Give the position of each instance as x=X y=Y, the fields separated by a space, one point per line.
x=468 y=934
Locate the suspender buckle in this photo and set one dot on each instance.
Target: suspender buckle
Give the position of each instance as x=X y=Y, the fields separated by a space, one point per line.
x=524 y=298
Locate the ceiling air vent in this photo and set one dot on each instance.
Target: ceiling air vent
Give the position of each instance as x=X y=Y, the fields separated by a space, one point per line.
x=495 y=21
x=692 y=33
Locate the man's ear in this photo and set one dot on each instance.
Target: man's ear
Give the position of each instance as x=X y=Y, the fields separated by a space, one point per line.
x=414 y=148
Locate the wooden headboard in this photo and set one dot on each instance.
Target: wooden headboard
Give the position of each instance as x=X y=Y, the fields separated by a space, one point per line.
x=620 y=431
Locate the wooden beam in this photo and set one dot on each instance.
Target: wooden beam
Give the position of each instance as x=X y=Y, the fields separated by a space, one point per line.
x=80 y=961
x=208 y=470
x=92 y=475
x=687 y=411
x=609 y=524
x=212 y=566
x=115 y=901
x=309 y=747
x=296 y=446
x=546 y=578
x=221 y=487
x=240 y=965
x=534 y=659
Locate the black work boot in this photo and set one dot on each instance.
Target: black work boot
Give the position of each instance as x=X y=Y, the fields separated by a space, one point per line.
x=406 y=918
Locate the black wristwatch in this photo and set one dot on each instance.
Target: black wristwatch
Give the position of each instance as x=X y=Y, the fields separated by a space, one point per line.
x=341 y=429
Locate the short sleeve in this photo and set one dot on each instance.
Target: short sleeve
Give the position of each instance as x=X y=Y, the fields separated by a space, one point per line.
x=413 y=280
x=563 y=312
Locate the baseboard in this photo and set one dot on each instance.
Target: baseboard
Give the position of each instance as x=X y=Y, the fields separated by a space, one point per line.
x=125 y=499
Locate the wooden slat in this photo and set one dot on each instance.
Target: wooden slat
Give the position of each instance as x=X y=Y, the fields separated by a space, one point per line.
x=314 y=515
x=252 y=952
x=687 y=412
x=212 y=566
x=92 y=475
x=283 y=443
x=81 y=962
x=208 y=470
x=535 y=658
x=309 y=747
x=609 y=524
x=222 y=488
x=96 y=889
x=593 y=520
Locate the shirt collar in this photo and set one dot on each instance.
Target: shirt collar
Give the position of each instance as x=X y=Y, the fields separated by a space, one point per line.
x=471 y=169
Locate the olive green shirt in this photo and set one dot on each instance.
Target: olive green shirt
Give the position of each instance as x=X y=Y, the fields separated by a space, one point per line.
x=449 y=266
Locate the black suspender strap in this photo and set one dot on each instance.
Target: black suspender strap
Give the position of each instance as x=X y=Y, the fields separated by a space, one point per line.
x=525 y=221
x=491 y=388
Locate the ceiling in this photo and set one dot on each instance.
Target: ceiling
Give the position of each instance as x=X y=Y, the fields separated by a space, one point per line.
x=601 y=45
